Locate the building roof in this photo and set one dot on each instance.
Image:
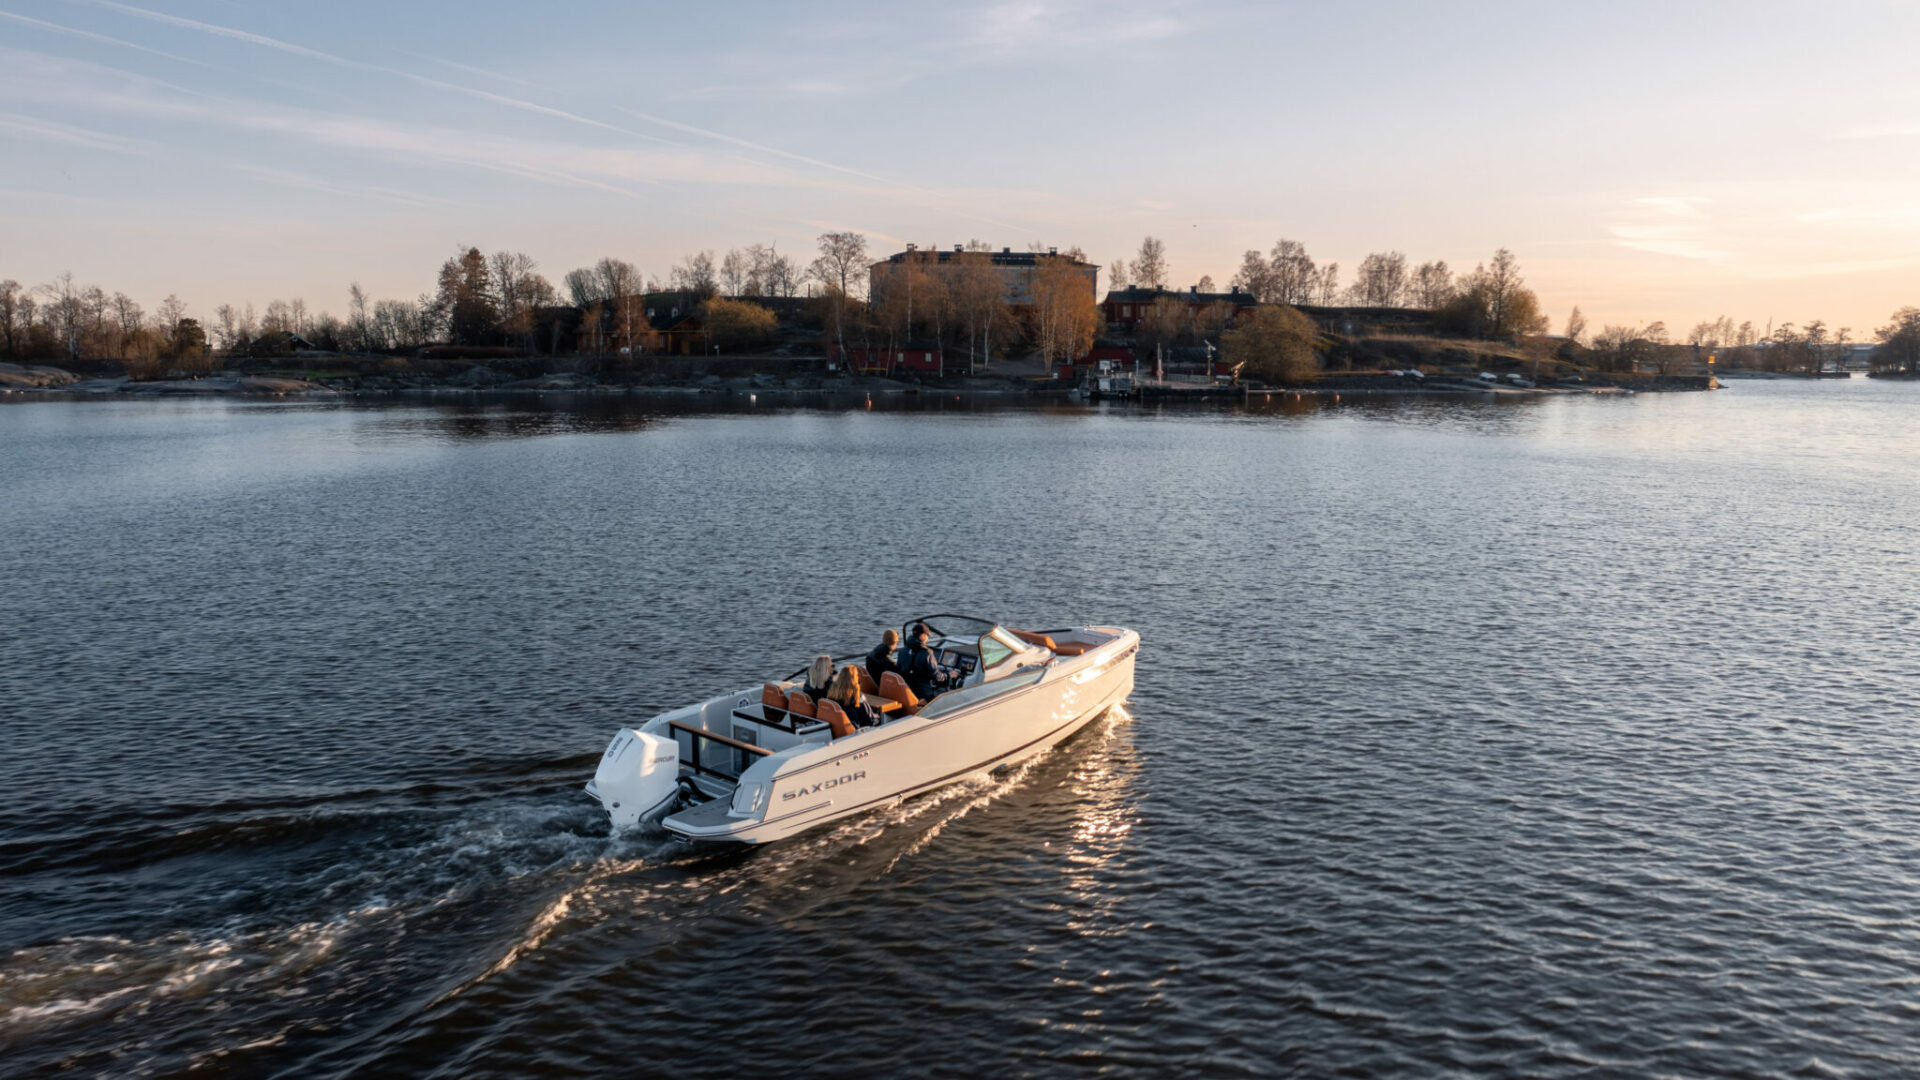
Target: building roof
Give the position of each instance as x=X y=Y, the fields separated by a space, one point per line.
x=1005 y=257
x=1137 y=295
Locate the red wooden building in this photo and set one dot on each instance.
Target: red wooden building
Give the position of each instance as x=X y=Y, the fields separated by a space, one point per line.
x=920 y=358
x=1124 y=308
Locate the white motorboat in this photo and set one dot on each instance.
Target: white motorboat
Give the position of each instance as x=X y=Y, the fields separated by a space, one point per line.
x=764 y=763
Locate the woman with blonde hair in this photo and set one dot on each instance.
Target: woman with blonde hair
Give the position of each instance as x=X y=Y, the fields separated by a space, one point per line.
x=819 y=677
x=845 y=692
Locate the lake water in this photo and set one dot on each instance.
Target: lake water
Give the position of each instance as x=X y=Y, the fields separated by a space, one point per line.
x=1565 y=737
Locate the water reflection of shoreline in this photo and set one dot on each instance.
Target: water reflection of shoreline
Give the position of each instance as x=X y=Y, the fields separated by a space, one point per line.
x=509 y=416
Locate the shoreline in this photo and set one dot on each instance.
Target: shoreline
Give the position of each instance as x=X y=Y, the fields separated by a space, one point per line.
x=47 y=383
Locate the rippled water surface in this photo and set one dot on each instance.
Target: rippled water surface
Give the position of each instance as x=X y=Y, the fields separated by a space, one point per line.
x=1572 y=737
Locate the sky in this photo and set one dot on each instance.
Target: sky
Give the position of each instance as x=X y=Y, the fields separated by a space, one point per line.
x=1666 y=161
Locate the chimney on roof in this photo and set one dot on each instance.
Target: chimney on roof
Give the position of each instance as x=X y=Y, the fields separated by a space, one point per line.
x=1006 y=251
x=1053 y=251
x=1195 y=289
x=912 y=247
x=959 y=247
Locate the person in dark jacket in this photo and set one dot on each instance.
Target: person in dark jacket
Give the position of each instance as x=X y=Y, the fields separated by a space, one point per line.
x=880 y=660
x=924 y=675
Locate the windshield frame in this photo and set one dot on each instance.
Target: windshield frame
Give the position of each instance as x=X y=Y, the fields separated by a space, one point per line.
x=943 y=626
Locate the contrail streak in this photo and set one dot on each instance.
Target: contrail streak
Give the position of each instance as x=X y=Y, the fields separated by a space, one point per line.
x=264 y=41
x=341 y=61
x=91 y=36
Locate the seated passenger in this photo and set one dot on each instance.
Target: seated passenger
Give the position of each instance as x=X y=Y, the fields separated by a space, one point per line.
x=819 y=677
x=880 y=660
x=845 y=692
x=924 y=675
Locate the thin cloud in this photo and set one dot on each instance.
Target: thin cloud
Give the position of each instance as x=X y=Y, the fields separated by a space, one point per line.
x=1881 y=131
x=1664 y=240
x=220 y=31
x=1888 y=215
x=1673 y=225
x=927 y=196
x=1835 y=268
x=1026 y=27
x=67 y=82
x=264 y=41
x=27 y=127
x=1687 y=206
x=304 y=182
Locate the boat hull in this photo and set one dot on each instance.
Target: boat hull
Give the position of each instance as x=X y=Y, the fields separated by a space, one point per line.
x=809 y=787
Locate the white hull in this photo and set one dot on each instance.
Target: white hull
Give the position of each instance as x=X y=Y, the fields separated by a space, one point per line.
x=814 y=779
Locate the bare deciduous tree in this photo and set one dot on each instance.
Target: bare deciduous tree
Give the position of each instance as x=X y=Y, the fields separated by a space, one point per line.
x=1381 y=280
x=1327 y=292
x=167 y=318
x=1150 y=266
x=1294 y=278
x=842 y=261
x=1255 y=276
x=733 y=273
x=583 y=286
x=843 y=255
x=13 y=323
x=359 y=319
x=1576 y=325
x=1432 y=285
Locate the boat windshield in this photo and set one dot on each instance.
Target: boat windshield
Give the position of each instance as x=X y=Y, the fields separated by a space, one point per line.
x=951 y=626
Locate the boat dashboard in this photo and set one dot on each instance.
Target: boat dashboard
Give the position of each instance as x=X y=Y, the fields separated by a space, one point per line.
x=964 y=658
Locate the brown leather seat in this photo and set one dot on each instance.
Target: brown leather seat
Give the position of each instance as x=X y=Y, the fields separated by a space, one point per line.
x=799 y=704
x=773 y=703
x=1032 y=638
x=836 y=718
x=1071 y=648
x=895 y=687
x=866 y=681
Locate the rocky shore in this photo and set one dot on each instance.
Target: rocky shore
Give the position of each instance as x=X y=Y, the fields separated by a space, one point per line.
x=51 y=381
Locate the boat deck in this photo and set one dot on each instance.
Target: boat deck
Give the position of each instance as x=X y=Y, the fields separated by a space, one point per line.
x=706 y=815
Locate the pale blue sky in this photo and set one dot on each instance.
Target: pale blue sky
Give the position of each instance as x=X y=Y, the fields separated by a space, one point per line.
x=1644 y=160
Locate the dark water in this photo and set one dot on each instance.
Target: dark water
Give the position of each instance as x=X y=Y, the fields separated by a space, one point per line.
x=1568 y=738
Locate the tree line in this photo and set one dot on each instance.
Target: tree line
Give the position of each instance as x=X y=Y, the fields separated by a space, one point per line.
x=1788 y=347
x=957 y=299
x=478 y=299
x=1490 y=301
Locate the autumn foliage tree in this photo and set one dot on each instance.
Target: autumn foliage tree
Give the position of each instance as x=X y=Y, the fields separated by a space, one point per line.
x=1277 y=344
x=737 y=324
x=979 y=298
x=1065 y=319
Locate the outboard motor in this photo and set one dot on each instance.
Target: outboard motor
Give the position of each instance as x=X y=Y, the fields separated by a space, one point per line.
x=638 y=777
